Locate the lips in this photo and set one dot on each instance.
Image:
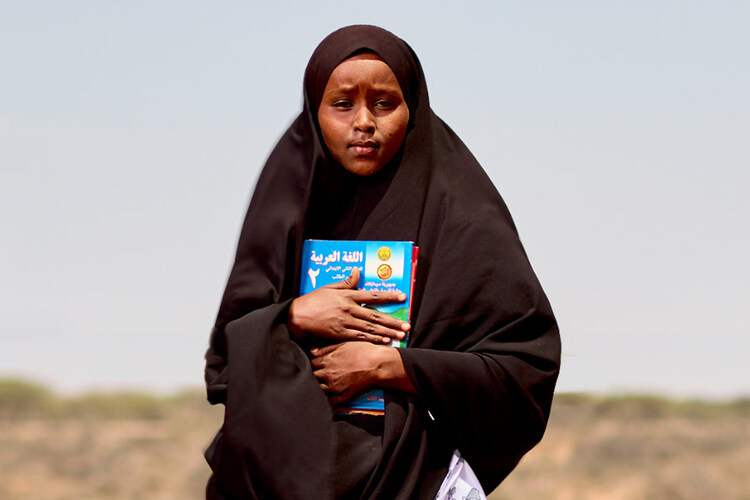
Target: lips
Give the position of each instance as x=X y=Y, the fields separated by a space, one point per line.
x=364 y=148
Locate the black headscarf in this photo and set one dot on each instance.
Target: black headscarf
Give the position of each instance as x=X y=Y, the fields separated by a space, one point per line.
x=484 y=346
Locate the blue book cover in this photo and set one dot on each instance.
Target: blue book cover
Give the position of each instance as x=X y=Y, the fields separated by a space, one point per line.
x=387 y=266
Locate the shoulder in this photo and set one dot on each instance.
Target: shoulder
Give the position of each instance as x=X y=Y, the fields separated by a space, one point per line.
x=462 y=188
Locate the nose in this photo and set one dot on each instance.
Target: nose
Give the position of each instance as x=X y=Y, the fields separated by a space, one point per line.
x=364 y=121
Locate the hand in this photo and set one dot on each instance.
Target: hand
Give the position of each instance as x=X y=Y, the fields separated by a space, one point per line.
x=336 y=312
x=347 y=369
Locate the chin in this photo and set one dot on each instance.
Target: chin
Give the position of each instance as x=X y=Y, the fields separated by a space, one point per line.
x=363 y=170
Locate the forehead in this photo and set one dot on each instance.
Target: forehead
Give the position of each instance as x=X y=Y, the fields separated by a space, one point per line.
x=366 y=69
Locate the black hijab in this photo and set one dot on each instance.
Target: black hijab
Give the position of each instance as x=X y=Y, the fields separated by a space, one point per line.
x=484 y=346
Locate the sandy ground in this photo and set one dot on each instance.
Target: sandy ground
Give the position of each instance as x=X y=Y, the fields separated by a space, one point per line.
x=615 y=448
x=637 y=448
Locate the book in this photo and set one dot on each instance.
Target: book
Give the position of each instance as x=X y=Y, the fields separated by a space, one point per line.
x=388 y=266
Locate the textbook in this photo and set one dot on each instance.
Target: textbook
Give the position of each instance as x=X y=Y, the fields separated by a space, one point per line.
x=388 y=266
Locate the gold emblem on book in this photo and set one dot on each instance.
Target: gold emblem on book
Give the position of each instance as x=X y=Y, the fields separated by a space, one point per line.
x=384 y=271
x=384 y=253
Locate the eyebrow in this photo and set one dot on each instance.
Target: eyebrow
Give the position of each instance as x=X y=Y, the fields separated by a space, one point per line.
x=348 y=89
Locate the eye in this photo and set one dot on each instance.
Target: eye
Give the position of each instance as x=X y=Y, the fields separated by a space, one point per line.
x=342 y=103
x=384 y=104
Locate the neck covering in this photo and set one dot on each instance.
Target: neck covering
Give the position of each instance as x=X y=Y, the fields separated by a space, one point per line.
x=484 y=346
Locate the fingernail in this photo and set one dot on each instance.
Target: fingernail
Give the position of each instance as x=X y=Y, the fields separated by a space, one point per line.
x=314 y=350
x=406 y=327
x=402 y=296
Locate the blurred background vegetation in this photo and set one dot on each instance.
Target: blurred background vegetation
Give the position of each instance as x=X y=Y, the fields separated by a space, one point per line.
x=122 y=445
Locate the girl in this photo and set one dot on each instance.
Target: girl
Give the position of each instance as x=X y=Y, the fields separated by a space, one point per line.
x=367 y=159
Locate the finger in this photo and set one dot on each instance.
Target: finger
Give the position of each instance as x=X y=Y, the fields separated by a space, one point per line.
x=352 y=334
x=375 y=297
x=322 y=351
x=330 y=391
x=374 y=329
x=376 y=317
x=349 y=283
x=337 y=399
x=320 y=376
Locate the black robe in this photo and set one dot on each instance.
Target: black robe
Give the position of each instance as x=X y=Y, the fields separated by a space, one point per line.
x=484 y=346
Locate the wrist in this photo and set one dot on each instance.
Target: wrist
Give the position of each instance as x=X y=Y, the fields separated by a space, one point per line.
x=390 y=371
x=291 y=323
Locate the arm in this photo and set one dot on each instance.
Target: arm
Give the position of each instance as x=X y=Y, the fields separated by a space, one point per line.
x=491 y=401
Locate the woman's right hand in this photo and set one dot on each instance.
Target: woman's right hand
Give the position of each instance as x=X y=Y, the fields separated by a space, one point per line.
x=337 y=312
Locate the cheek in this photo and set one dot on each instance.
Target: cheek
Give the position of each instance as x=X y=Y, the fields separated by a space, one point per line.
x=332 y=131
x=397 y=132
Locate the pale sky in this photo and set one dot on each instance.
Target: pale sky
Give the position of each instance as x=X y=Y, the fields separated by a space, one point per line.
x=131 y=134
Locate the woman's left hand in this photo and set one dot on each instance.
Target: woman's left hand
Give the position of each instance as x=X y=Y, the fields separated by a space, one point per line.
x=347 y=369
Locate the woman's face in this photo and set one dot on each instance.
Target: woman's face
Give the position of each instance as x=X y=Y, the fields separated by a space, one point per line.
x=363 y=115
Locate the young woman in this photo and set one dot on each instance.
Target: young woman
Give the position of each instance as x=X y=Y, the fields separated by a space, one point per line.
x=367 y=159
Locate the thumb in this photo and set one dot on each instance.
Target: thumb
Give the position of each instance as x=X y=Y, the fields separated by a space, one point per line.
x=348 y=283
